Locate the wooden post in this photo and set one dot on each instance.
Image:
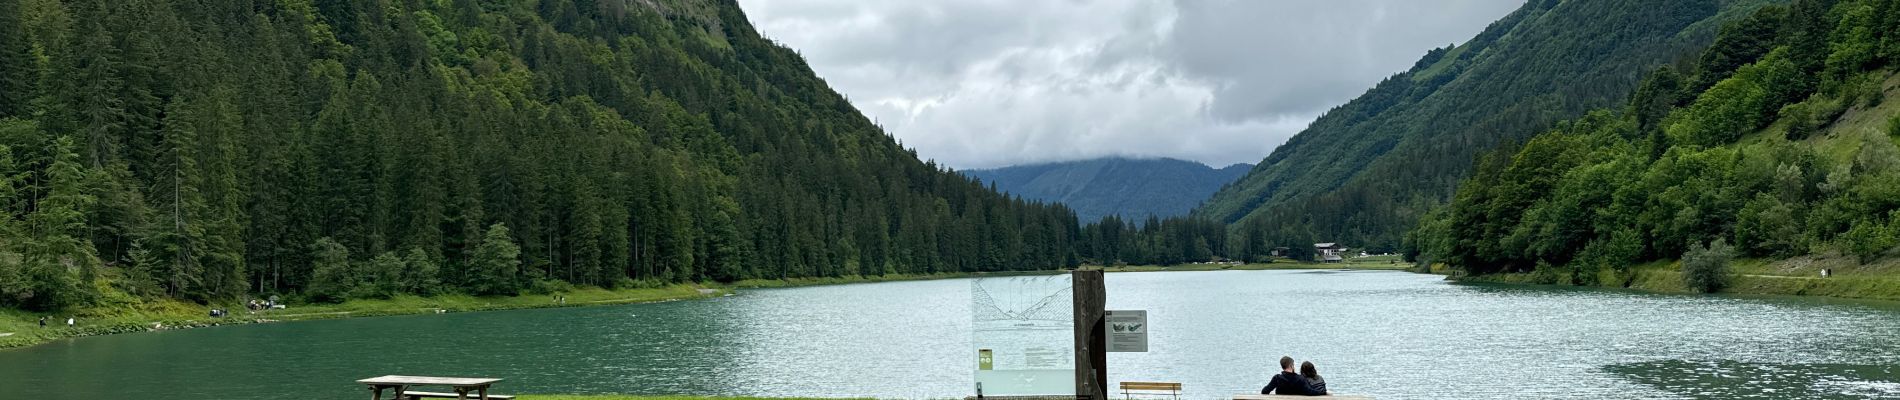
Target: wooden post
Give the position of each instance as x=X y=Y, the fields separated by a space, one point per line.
x=1091 y=336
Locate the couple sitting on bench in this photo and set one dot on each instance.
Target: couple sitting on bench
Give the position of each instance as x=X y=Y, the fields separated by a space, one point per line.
x=1306 y=382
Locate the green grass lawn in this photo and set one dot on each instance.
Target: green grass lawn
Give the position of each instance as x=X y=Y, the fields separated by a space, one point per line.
x=1792 y=277
x=119 y=313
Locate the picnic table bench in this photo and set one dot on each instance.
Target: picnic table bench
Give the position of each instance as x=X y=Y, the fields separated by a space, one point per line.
x=465 y=388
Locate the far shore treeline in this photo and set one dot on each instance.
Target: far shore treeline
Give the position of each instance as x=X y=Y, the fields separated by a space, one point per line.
x=213 y=150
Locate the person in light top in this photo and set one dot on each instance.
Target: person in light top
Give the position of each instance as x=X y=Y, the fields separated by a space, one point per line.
x=1314 y=382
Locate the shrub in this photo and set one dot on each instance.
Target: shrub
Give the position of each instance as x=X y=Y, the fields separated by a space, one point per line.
x=1811 y=115
x=381 y=277
x=1868 y=239
x=1705 y=269
x=420 y=274
x=332 y=278
x=1893 y=126
x=496 y=264
x=1800 y=118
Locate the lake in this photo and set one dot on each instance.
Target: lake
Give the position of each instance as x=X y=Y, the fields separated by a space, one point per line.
x=1392 y=335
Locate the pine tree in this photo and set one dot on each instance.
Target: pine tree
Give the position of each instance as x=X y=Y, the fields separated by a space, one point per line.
x=382 y=277
x=60 y=261
x=496 y=265
x=419 y=273
x=217 y=181
x=584 y=237
x=87 y=87
x=199 y=226
x=332 y=278
x=18 y=70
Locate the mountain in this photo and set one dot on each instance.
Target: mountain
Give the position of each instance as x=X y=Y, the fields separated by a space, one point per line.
x=1784 y=150
x=1131 y=188
x=1364 y=172
x=329 y=149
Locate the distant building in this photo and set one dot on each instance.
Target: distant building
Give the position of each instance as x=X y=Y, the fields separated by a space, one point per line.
x=1329 y=252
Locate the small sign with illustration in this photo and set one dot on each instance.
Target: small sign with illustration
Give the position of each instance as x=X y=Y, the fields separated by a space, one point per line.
x=984 y=360
x=1127 y=331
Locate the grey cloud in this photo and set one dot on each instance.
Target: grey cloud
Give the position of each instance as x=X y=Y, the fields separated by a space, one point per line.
x=988 y=83
x=1282 y=57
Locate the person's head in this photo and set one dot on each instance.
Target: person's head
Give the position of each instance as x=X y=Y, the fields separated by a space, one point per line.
x=1286 y=363
x=1307 y=370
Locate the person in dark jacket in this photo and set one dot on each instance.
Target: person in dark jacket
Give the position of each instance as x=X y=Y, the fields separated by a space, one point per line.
x=1288 y=382
x=1313 y=381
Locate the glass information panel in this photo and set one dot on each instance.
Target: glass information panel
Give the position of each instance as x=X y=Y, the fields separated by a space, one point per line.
x=1023 y=328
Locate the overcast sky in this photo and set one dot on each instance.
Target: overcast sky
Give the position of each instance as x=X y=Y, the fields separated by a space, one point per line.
x=986 y=83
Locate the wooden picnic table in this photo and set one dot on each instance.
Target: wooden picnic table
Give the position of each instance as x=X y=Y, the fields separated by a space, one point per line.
x=401 y=384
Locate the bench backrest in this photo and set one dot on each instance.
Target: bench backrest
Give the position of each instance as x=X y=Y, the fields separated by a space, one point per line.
x=1170 y=386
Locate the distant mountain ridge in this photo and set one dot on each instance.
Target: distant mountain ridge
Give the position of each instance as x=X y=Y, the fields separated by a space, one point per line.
x=1132 y=188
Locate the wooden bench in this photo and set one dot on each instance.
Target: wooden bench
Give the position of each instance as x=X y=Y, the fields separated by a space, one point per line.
x=441 y=395
x=1130 y=389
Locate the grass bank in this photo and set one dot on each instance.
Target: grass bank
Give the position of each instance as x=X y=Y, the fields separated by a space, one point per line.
x=123 y=315
x=1791 y=277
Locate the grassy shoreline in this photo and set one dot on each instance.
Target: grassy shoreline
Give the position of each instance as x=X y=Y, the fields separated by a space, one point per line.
x=143 y=316
x=1749 y=277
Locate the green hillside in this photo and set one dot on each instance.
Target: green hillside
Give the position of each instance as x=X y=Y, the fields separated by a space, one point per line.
x=1790 y=156
x=1364 y=172
x=1125 y=187
x=331 y=149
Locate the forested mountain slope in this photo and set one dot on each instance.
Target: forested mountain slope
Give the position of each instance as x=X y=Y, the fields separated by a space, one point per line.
x=208 y=149
x=1126 y=187
x=1364 y=172
x=1788 y=151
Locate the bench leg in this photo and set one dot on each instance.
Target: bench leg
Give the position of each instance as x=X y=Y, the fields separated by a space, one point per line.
x=461 y=393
